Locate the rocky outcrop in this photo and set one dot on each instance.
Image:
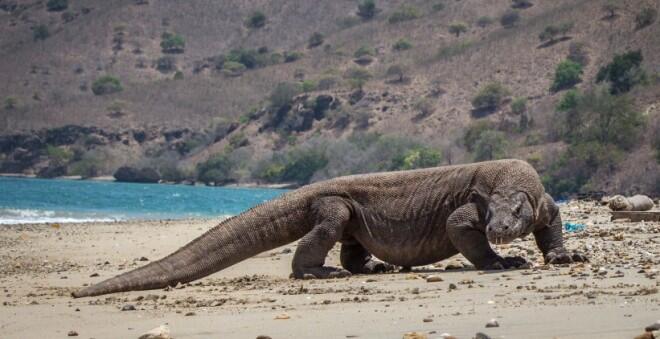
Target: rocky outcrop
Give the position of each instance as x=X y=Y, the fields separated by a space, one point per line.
x=52 y=171
x=300 y=114
x=132 y=174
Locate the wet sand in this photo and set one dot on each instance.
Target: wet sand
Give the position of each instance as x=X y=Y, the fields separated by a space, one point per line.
x=613 y=296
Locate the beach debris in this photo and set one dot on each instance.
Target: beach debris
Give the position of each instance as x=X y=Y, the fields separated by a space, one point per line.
x=160 y=332
x=492 y=323
x=480 y=335
x=415 y=335
x=653 y=327
x=434 y=278
x=72 y=333
x=573 y=227
x=282 y=316
x=635 y=203
x=128 y=307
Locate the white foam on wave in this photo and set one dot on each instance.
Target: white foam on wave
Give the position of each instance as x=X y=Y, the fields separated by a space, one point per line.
x=12 y=216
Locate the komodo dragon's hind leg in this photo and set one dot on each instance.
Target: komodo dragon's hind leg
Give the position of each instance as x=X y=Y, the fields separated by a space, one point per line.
x=355 y=258
x=331 y=215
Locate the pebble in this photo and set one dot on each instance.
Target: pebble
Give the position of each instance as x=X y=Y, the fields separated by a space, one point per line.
x=263 y=337
x=481 y=336
x=452 y=287
x=454 y=265
x=427 y=320
x=72 y=334
x=144 y=259
x=415 y=335
x=282 y=316
x=128 y=307
x=93 y=275
x=160 y=332
x=190 y=314
x=492 y=323
x=434 y=278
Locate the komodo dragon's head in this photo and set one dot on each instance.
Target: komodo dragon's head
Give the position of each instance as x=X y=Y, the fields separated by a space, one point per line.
x=506 y=217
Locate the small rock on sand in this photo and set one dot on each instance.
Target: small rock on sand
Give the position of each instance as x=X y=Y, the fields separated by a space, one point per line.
x=264 y=337
x=492 y=323
x=282 y=316
x=160 y=332
x=433 y=278
x=72 y=334
x=415 y=335
x=128 y=307
x=481 y=336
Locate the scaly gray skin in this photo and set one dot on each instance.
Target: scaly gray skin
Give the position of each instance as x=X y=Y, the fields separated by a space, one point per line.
x=406 y=218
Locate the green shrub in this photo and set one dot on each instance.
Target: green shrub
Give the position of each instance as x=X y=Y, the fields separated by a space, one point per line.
x=250 y=58
x=623 y=73
x=490 y=96
x=256 y=20
x=233 y=69
x=316 y=39
x=297 y=165
x=457 y=48
x=473 y=133
x=282 y=95
x=484 y=21
x=86 y=168
x=172 y=43
x=519 y=105
x=438 y=6
x=178 y=75
x=217 y=169
x=367 y=9
x=106 y=84
x=397 y=72
x=402 y=45
x=59 y=154
x=510 y=18
x=308 y=86
x=292 y=56
x=646 y=17
x=424 y=107
x=166 y=64
x=457 y=28
x=11 y=102
x=40 y=32
x=567 y=75
x=491 y=145
x=364 y=50
x=552 y=31
x=418 y=157
x=357 y=77
x=57 y=5
x=404 y=13
x=577 y=53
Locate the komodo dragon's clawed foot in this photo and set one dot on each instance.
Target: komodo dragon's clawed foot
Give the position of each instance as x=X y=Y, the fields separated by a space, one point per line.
x=323 y=272
x=507 y=263
x=375 y=266
x=562 y=256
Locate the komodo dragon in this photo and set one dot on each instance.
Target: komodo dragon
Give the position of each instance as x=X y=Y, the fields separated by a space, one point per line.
x=405 y=218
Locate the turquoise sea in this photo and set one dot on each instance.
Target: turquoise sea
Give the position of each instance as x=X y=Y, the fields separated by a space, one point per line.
x=26 y=200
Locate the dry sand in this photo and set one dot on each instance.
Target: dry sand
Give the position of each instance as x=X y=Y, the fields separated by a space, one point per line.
x=614 y=296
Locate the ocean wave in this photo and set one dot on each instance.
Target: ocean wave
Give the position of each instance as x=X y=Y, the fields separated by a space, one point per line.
x=12 y=216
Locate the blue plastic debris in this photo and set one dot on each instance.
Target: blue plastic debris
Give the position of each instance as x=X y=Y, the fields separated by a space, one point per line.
x=573 y=227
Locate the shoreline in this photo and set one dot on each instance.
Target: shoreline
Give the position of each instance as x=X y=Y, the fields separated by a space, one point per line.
x=109 y=178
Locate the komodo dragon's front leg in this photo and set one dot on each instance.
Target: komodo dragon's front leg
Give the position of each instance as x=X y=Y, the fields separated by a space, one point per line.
x=549 y=237
x=466 y=228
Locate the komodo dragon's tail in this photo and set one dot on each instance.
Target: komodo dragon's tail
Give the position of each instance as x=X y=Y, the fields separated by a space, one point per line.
x=259 y=229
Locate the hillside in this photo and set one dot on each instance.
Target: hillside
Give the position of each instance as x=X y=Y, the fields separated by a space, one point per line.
x=198 y=100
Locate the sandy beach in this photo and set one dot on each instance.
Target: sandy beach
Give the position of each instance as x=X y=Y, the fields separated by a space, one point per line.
x=613 y=296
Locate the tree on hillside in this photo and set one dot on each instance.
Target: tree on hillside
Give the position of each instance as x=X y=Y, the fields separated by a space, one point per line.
x=491 y=145
x=316 y=39
x=510 y=18
x=484 y=21
x=552 y=31
x=490 y=96
x=40 y=32
x=567 y=75
x=256 y=19
x=398 y=72
x=172 y=43
x=357 y=77
x=624 y=72
x=646 y=17
x=106 y=85
x=367 y=9
x=404 y=13
x=457 y=28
